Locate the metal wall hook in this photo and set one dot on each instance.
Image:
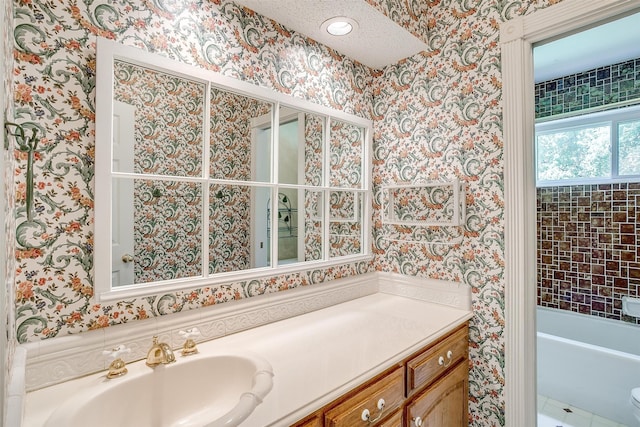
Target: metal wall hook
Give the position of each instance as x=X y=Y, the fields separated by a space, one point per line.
x=26 y=145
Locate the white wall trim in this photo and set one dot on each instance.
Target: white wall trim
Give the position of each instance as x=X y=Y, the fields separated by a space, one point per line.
x=63 y=358
x=453 y=294
x=516 y=40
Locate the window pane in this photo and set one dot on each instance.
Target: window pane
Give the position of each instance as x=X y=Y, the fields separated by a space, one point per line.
x=629 y=148
x=574 y=153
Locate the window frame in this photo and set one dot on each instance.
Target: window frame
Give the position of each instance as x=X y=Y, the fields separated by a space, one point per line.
x=612 y=118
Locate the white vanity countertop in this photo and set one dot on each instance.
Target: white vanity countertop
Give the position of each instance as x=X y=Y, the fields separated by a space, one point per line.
x=316 y=357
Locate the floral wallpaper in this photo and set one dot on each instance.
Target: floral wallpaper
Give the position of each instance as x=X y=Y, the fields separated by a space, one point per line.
x=345 y=171
x=229 y=228
x=168 y=133
x=437 y=116
x=54 y=85
x=230 y=158
x=421 y=204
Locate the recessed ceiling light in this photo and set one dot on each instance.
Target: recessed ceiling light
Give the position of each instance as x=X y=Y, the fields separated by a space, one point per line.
x=339 y=26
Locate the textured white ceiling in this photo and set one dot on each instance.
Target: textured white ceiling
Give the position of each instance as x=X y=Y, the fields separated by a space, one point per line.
x=377 y=42
x=606 y=44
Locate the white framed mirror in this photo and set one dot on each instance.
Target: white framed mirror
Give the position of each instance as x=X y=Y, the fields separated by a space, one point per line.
x=196 y=185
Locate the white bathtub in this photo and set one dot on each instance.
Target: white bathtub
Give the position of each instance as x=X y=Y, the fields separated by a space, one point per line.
x=589 y=362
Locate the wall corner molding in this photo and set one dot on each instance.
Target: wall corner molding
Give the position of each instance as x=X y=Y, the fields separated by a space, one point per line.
x=511 y=30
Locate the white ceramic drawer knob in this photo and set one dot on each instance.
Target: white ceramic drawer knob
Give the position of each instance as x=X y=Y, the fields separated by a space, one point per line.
x=366 y=415
x=442 y=362
x=417 y=422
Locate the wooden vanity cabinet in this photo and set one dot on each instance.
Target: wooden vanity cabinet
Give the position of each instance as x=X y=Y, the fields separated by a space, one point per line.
x=429 y=388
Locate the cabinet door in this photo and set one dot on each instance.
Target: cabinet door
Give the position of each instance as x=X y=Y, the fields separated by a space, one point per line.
x=444 y=403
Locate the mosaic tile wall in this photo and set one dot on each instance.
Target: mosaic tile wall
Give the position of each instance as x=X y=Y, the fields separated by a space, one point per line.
x=587 y=253
x=594 y=88
x=588 y=257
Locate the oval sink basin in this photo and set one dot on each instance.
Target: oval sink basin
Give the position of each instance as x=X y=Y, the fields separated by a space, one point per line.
x=199 y=390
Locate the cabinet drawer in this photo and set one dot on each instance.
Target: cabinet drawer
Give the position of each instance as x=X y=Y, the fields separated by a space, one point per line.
x=434 y=361
x=349 y=412
x=444 y=403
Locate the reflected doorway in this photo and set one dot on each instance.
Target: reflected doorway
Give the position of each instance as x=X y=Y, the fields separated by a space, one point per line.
x=290 y=225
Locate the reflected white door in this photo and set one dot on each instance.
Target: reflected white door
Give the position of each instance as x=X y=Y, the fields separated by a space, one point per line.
x=122 y=256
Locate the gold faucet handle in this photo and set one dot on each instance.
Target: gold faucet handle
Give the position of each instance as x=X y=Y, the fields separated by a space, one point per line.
x=189 y=346
x=117 y=368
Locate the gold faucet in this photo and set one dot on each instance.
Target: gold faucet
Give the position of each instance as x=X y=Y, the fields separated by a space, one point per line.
x=160 y=353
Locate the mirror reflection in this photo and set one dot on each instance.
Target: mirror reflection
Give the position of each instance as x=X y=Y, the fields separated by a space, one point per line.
x=239 y=150
x=156 y=231
x=345 y=208
x=346 y=144
x=158 y=122
x=203 y=183
x=238 y=227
